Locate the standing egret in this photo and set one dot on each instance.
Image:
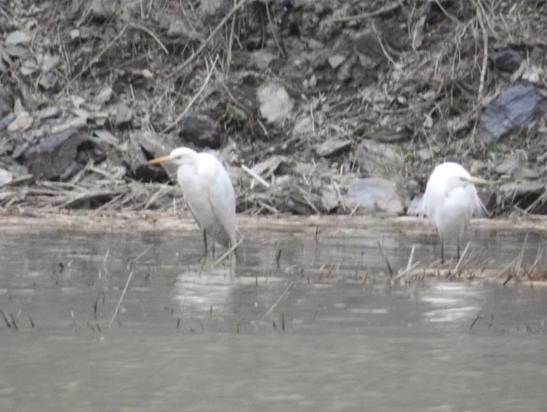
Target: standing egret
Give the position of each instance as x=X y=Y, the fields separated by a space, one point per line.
x=450 y=199
x=208 y=191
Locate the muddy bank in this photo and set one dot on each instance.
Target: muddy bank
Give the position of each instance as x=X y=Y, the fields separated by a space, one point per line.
x=341 y=107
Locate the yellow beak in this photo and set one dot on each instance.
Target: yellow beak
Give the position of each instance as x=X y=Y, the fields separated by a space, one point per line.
x=478 y=181
x=159 y=160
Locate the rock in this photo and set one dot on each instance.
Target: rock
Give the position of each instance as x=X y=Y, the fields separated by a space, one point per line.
x=234 y=115
x=514 y=168
x=368 y=49
x=262 y=59
x=6 y=102
x=514 y=108
x=49 y=62
x=303 y=127
x=275 y=103
x=102 y=10
x=329 y=199
x=374 y=195
x=49 y=112
x=176 y=27
x=138 y=167
x=49 y=158
x=124 y=115
x=28 y=67
x=415 y=206
x=16 y=38
x=424 y=153
x=22 y=122
x=506 y=60
x=7 y=120
x=72 y=123
x=5 y=177
x=508 y=166
x=200 y=130
x=389 y=135
x=336 y=60
x=513 y=190
x=210 y=7
x=48 y=81
x=267 y=167
x=104 y=96
x=379 y=159
x=331 y=147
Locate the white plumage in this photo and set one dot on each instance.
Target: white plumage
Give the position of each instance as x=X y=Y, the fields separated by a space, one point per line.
x=208 y=191
x=450 y=200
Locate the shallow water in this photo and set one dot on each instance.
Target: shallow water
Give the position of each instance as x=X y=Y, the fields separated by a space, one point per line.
x=313 y=327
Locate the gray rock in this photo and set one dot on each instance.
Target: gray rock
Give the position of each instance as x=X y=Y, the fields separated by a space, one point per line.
x=49 y=158
x=6 y=103
x=275 y=103
x=336 y=60
x=7 y=120
x=329 y=199
x=379 y=159
x=331 y=147
x=200 y=130
x=16 y=38
x=101 y=10
x=59 y=155
x=508 y=166
x=415 y=206
x=515 y=107
x=22 y=122
x=142 y=144
x=506 y=60
x=49 y=112
x=374 y=195
x=124 y=115
x=5 y=177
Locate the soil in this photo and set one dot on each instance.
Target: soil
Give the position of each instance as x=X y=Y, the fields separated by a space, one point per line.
x=311 y=96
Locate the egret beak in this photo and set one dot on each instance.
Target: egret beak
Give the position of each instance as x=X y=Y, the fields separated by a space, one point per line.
x=160 y=160
x=478 y=181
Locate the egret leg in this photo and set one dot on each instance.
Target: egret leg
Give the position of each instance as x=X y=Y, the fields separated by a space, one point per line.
x=442 y=251
x=205 y=244
x=458 y=250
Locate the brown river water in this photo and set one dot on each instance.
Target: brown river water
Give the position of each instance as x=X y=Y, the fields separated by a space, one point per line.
x=310 y=322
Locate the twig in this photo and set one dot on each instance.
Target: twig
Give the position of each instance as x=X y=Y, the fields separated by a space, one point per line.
x=97 y=57
x=411 y=257
x=270 y=310
x=194 y=98
x=446 y=13
x=255 y=176
x=151 y=34
x=386 y=9
x=475 y=320
x=121 y=299
x=272 y=28
x=381 y=43
x=206 y=42
x=227 y=253
x=461 y=257
x=389 y=268
x=485 y=50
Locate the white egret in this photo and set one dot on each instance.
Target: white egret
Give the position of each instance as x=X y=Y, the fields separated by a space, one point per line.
x=450 y=199
x=208 y=191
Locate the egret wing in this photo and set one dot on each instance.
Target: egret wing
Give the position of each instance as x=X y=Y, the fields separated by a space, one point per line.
x=222 y=198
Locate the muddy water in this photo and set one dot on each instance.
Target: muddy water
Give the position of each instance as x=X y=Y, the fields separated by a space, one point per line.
x=309 y=323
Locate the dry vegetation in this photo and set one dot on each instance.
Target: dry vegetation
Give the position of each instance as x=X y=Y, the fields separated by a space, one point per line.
x=308 y=97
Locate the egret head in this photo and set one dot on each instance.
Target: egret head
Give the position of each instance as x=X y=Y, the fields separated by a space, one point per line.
x=450 y=175
x=180 y=156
